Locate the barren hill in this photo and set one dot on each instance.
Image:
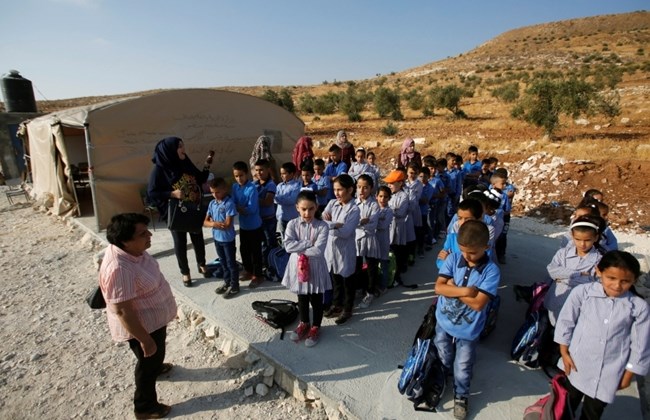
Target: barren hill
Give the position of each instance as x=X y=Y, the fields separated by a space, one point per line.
x=612 y=154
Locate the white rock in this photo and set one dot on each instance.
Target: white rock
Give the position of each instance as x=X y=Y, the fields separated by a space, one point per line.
x=625 y=120
x=604 y=181
x=261 y=389
x=180 y=313
x=268 y=381
x=556 y=183
x=211 y=332
x=236 y=361
x=597 y=127
x=581 y=121
x=419 y=140
x=269 y=371
x=251 y=358
x=248 y=391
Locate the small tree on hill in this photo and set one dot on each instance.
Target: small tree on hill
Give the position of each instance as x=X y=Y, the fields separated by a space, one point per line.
x=352 y=103
x=545 y=100
x=386 y=102
x=282 y=99
x=449 y=97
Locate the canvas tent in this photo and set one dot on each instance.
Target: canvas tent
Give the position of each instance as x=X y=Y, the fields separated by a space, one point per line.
x=116 y=139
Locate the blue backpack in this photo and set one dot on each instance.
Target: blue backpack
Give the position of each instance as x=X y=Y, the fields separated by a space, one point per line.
x=423 y=376
x=528 y=340
x=277 y=263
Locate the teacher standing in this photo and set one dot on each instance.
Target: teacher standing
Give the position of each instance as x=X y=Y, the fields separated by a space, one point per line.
x=172 y=172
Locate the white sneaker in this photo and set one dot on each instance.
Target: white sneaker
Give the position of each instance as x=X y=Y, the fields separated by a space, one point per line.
x=366 y=301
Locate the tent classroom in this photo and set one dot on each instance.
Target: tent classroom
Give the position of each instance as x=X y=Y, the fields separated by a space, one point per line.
x=115 y=141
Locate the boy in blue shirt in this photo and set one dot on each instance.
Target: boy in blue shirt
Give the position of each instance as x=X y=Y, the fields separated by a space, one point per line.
x=266 y=190
x=286 y=195
x=221 y=218
x=466 y=283
x=306 y=178
x=335 y=167
x=246 y=199
x=323 y=183
x=427 y=192
x=472 y=167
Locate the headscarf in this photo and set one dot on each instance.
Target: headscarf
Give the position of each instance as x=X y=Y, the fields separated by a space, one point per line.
x=404 y=156
x=165 y=156
x=261 y=150
x=340 y=142
x=302 y=151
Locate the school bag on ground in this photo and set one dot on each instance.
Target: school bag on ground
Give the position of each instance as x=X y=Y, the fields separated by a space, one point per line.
x=278 y=313
x=427 y=329
x=492 y=312
x=555 y=405
x=527 y=343
x=423 y=377
x=277 y=263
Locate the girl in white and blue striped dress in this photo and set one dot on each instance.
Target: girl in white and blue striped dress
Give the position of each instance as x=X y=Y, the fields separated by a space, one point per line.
x=307 y=274
x=342 y=216
x=366 y=239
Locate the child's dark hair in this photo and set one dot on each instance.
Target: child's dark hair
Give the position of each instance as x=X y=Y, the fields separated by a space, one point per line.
x=485 y=161
x=360 y=149
x=424 y=170
x=122 y=227
x=472 y=149
x=476 y=189
x=385 y=190
x=307 y=168
x=602 y=207
x=473 y=206
x=591 y=192
x=589 y=223
x=334 y=149
x=498 y=175
x=368 y=179
x=345 y=181
x=473 y=233
x=620 y=259
x=218 y=182
x=458 y=160
x=413 y=165
x=307 y=195
x=503 y=172
x=289 y=167
x=240 y=166
x=441 y=163
x=450 y=155
x=370 y=154
x=593 y=209
x=494 y=160
x=429 y=160
x=263 y=163
x=319 y=162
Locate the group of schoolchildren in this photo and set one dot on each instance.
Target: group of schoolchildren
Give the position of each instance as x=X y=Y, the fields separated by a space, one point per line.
x=341 y=229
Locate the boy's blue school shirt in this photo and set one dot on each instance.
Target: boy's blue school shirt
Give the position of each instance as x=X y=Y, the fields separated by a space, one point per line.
x=218 y=211
x=470 y=168
x=246 y=196
x=455 y=317
x=323 y=183
x=309 y=187
x=427 y=192
x=269 y=186
x=437 y=185
x=286 y=195
x=453 y=182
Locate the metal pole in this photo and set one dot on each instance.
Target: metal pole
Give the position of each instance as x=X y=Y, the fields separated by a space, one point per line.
x=91 y=173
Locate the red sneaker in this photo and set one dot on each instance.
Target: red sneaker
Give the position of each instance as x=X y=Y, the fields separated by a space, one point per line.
x=300 y=332
x=312 y=337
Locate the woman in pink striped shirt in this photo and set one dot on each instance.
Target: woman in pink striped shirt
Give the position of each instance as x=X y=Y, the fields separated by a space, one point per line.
x=139 y=305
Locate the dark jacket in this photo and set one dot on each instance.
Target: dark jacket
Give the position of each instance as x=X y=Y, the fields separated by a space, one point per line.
x=169 y=169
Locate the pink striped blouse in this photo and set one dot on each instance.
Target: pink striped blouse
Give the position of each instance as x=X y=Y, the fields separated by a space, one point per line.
x=124 y=277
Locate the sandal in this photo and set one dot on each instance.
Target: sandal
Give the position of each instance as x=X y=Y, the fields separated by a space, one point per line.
x=161 y=411
x=165 y=368
x=187 y=280
x=204 y=270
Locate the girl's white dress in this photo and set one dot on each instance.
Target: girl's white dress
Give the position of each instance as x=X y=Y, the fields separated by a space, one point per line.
x=399 y=203
x=383 y=231
x=341 y=252
x=310 y=239
x=366 y=235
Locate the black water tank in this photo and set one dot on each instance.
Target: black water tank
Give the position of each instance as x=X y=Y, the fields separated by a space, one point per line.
x=18 y=93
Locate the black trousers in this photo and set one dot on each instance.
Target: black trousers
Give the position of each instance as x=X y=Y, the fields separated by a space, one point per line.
x=592 y=408
x=502 y=240
x=180 y=249
x=250 y=249
x=316 y=300
x=343 y=291
x=146 y=371
x=368 y=281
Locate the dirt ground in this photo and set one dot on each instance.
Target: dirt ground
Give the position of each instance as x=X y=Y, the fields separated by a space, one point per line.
x=56 y=356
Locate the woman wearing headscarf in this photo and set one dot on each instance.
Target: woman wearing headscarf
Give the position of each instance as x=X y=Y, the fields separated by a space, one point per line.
x=408 y=154
x=262 y=150
x=347 y=149
x=303 y=153
x=173 y=170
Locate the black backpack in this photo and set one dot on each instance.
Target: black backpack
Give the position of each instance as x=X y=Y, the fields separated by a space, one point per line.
x=428 y=327
x=278 y=313
x=423 y=376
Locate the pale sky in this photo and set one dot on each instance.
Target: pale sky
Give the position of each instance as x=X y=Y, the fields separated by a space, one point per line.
x=74 y=48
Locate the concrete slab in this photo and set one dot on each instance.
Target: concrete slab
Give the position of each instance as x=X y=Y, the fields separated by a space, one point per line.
x=354 y=367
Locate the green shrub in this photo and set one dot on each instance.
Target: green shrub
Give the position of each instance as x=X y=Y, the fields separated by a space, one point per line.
x=386 y=101
x=390 y=129
x=507 y=93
